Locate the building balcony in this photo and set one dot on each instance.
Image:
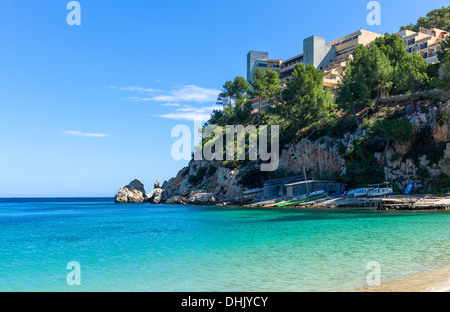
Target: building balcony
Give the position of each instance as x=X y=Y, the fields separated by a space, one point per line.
x=336 y=64
x=330 y=82
x=431 y=60
x=288 y=68
x=290 y=65
x=331 y=72
x=349 y=44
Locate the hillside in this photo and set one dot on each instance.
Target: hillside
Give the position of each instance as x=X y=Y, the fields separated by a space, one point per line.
x=421 y=155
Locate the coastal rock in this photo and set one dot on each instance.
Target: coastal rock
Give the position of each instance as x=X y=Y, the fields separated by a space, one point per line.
x=226 y=185
x=423 y=118
x=176 y=186
x=402 y=148
x=156 y=185
x=201 y=199
x=423 y=161
x=133 y=193
x=176 y=200
x=185 y=191
x=442 y=133
x=157 y=196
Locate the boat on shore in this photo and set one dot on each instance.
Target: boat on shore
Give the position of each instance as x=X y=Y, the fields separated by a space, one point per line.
x=304 y=198
x=380 y=192
x=371 y=191
x=358 y=192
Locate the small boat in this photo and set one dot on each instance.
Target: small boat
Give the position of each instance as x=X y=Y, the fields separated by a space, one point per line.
x=316 y=193
x=409 y=189
x=361 y=192
x=380 y=192
x=304 y=198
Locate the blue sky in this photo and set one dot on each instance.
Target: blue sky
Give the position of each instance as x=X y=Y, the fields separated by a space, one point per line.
x=86 y=109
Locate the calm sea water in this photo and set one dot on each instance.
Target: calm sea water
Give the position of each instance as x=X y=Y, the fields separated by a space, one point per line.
x=184 y=248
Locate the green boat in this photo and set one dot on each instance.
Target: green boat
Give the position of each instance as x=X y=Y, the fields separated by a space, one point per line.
x=310 y=197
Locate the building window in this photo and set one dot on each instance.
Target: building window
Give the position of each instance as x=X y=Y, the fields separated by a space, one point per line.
x=424 y=46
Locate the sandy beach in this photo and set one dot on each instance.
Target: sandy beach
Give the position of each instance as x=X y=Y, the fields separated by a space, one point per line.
x=436 y=280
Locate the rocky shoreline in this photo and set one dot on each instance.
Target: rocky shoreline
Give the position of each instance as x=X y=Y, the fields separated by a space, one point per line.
x=134 y=193
x=218 y=183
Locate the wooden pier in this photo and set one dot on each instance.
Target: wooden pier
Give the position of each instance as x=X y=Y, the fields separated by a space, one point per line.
x=427 y=202
x=389 y=203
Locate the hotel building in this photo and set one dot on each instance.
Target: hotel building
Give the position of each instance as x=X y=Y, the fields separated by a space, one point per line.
x=329 y=57
x=426 y=42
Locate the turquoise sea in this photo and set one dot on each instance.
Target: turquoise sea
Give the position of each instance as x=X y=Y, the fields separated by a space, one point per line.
x=185 y=248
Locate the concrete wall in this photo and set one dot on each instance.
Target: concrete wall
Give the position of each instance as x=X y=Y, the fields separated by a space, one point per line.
x=316 y=52
x=252 y=57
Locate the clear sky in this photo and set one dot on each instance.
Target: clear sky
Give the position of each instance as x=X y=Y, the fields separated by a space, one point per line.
x=86 y=109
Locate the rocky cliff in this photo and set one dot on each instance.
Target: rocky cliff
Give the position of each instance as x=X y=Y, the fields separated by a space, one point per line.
x=206 y=182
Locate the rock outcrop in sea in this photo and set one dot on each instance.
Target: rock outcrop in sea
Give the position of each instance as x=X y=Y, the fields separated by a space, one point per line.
x=157 y=196
x=133 y=193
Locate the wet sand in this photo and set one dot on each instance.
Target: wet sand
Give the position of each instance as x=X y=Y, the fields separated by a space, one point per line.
x=437 y=280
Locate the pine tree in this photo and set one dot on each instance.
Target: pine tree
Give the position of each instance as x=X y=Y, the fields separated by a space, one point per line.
x=305 y=99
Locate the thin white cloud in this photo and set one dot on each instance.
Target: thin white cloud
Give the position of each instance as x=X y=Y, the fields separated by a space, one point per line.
x=175 y=98
x=191 y=113
x=138 y=99
x=186 y=116
x=86 y=135
x=135 y=89
x=189 y=93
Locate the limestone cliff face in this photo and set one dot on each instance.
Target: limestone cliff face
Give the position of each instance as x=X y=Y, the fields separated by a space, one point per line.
x=403 y=172
x=205 y=182
x=326 y=154
x=320 y=156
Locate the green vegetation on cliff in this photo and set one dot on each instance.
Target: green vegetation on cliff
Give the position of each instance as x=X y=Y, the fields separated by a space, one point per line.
x=439 y=18
x=383 y=69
